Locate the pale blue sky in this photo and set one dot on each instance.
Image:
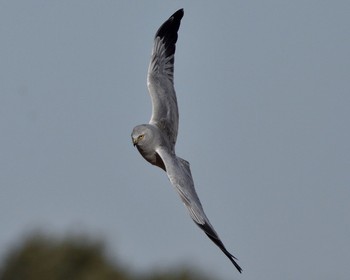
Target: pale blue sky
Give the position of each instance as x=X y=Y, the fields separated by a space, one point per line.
x=264 y=94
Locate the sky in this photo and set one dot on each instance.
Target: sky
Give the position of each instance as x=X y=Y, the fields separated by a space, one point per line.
x=263 y=92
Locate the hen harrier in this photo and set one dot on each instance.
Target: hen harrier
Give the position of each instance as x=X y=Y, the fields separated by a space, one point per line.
x=156 y=141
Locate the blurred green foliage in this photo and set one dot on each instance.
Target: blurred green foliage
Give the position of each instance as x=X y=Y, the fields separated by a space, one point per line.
x=41 y=257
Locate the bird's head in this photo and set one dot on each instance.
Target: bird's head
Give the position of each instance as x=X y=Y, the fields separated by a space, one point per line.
x=140 y=135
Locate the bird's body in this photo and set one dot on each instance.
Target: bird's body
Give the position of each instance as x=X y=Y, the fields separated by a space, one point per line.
x=156 y=141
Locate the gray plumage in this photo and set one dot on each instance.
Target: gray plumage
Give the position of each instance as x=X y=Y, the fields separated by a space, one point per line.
x=156 y=141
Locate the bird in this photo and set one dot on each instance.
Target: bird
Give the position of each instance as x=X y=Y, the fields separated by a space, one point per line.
x=156 y=140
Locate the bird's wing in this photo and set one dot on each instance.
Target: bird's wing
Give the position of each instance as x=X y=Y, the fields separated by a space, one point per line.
x=160 y=78
x=179 y=174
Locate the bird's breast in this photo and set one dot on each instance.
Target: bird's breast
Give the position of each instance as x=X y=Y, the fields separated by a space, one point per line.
x=152 y=157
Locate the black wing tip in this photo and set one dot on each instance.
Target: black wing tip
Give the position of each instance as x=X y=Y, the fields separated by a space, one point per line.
x=178 y=14
x=215 y=238
x=232 y=259
x=230 y=256
x=168 y=33
x=238 y=268
x=171 y=26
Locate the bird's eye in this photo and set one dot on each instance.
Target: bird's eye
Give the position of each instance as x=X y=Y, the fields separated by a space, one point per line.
x=141 y=137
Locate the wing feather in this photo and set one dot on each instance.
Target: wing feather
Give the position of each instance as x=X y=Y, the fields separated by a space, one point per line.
x=179 y=174
x=160 y=78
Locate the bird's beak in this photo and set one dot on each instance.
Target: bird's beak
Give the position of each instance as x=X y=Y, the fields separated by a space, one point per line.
x=134 y=141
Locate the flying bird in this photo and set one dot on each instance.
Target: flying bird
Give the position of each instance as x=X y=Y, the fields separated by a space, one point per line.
x=156 y=140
